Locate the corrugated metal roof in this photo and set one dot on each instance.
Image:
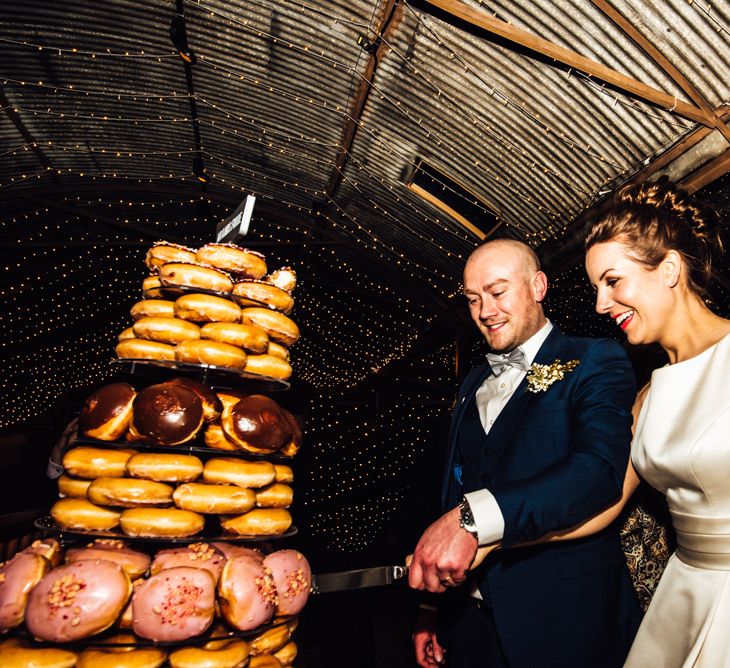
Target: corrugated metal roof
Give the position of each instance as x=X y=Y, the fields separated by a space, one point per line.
x=97 y=132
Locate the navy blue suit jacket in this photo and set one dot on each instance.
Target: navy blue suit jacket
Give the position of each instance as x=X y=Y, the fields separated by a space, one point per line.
x=561 y=457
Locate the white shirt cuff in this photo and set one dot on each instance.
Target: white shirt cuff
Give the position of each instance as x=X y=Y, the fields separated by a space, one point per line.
x=487 y=516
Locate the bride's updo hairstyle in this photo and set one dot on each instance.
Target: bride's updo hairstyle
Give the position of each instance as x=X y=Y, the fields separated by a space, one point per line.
x=651 y=219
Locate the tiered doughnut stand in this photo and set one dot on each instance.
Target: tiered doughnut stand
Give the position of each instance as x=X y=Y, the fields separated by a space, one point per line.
x=161 y=549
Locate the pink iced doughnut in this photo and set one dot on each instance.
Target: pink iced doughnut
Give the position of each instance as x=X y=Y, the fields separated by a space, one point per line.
x=293 y=579
x=133 y=562
x=77 y=600
x=246 y=593
x=17 y=578
x=230 y=550
x=195 y=555
x=176 y=604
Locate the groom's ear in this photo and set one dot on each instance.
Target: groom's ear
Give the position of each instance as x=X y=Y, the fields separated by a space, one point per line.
x=539 y=286
x=671 y=268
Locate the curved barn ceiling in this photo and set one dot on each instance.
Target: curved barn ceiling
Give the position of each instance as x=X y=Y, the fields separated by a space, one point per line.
x=524 y=116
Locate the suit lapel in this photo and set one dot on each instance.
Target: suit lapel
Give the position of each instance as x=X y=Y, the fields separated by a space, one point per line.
x=512 y=414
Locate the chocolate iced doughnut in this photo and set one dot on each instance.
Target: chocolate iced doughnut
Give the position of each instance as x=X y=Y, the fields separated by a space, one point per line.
x=166 y=414
x=256 y=424
x=106 y=413
x=212 y=406
x=292 y=447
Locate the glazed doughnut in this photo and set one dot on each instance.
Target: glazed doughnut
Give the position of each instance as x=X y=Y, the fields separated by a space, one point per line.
x=212 y=406
x=165 y=330
x=93 y=463
x=134 y=563
x=264 y=661
x=277 y=350
x=246 y=593
x=176 y=604
x=278 y=326
x=233 y=258
x=18 y=653
x=129 y=493
x=287 y=654
x=165 y=467
x=268 y=365
x=164 y=251
x=283 y=473
x=214 y=499
x=142 y=349
x=211 y=353
x=258 y=293
x=195 y=276
x=248 y=337
x=73 y=487
x=122 y=657
x=291 y=448
x=230 y=397
x=74 y=514
x=284 y=278
x=229 y=551
x=195 y=555
x=151 y=287
x=293 y=579
x=226 y=653
x=166 y=414
x=221 y=470
x=256 y=424
x=106 y=413
x=259 y=522
x=216 y=438
x=127 y=333
x=77 y=600
x=207 y=308
x=17 y=578
x=48 y=548
x=276 y=495
x=161 y=522
x=157 y=308
x=270 y=640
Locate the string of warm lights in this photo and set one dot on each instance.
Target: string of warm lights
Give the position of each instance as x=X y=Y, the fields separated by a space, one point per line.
x=107 y=53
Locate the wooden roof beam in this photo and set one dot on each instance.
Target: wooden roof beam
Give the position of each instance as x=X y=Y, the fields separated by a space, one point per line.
x=388 y=24
x=527 y=40
x=658 y=57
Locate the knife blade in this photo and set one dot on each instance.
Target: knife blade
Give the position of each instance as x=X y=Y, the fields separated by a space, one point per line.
x=361 y=578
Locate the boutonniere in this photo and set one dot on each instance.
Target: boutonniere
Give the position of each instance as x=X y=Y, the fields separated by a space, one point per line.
x=542 y=376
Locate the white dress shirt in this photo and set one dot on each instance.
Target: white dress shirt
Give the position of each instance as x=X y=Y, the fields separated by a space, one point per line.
x=491 y=397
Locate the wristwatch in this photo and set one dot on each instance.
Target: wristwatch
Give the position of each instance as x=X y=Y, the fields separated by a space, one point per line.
x=466 y=518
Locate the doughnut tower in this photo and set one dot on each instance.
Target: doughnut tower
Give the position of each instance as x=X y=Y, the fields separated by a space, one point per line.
x=175 y=487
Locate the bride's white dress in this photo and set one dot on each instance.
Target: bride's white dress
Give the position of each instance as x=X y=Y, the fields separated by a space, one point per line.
x=682 y=447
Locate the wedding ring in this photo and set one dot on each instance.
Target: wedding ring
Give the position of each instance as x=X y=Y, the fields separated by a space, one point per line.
x=447 y=581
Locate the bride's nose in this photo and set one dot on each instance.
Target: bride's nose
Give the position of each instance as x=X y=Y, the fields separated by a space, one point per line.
x=603 y=301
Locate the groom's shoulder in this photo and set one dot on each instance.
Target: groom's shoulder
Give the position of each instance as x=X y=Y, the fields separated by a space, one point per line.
x=594 y=346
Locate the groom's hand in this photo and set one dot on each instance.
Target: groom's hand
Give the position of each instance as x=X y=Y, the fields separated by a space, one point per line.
x=443 y=555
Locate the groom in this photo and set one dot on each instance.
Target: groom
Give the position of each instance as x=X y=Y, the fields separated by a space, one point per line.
x=532 y=450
